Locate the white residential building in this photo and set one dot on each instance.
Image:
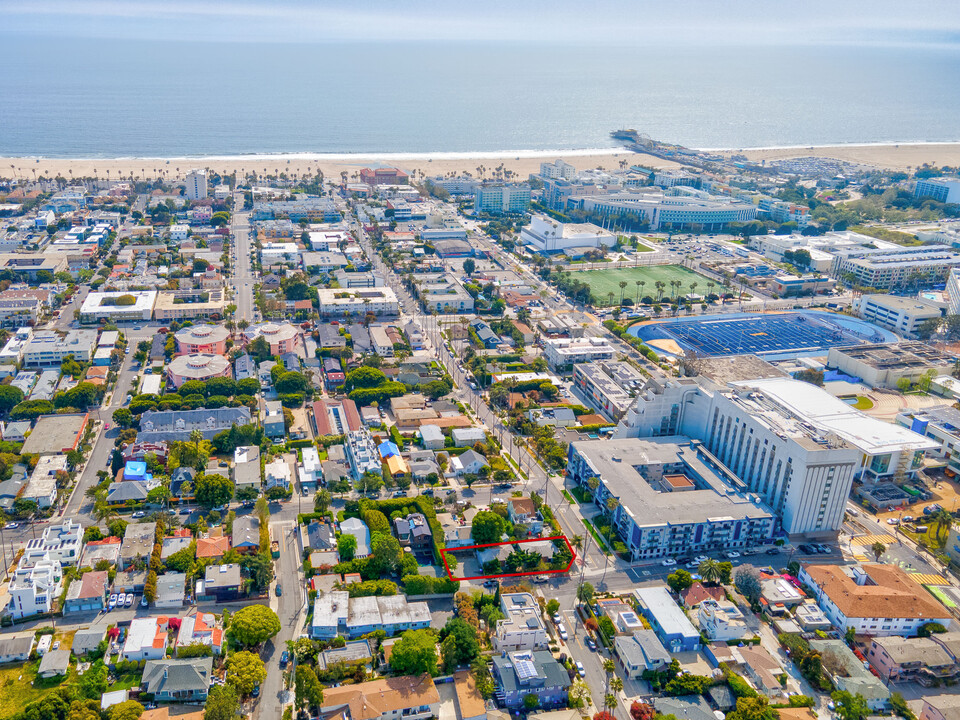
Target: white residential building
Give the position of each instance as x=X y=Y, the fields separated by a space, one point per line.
x=99 y=306
x=362 y=453
x=310 y=471
x=42 y=486
x=946 y=190
x=47 y=348
x=872 y=599
x=61 y=543
x=720 y=620
x=146 y=639
x=196 y=185
x=559 y=168
x=522 y=626
x=179 y=232
x=356 y=303
x=277 y=473
x=953 y=292
x=33 y=588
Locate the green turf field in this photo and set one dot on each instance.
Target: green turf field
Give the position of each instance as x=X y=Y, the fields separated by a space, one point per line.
x=605 y=281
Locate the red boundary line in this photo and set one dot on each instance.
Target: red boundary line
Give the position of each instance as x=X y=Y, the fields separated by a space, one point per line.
x=573 y=557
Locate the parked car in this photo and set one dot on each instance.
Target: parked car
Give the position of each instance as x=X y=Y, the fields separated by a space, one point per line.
x=11 y=526
x=279 y=590
x=112 y=602
x=773 y=551
x=668 y=562
x=128 y=602
x=284 y=659
x=733 y=555
x=562 y=631
x=581 y=671
x=139 y=514
x=590 y=643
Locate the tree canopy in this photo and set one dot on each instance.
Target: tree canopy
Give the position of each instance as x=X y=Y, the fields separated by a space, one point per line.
x=254 y=624
x=415 y=653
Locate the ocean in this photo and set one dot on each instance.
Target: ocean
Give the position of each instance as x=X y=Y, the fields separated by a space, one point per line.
x=116 y=98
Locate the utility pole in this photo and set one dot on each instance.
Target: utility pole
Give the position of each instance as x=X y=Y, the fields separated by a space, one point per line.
x=583 y=566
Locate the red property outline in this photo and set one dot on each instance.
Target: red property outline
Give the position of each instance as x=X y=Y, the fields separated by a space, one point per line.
x=573 y=557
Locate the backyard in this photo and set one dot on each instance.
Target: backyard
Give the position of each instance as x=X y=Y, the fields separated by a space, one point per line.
x=603 y=282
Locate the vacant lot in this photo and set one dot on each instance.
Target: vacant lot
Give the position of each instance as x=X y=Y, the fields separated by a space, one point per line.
x=603 y=282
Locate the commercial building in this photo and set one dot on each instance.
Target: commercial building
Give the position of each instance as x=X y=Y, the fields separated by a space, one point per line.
x=198 y=366
x=208 y=339
x=906 y=268
x=501 y=199
x=563 y=352
x=673 y=210
x=941 y=424
x=408 y=697
x=903 y=315
x=526 y=672
x=383 y=176
x=795 y=445
x=549 y=236
x=667 y=619
x=48 y=348
x=28 y=266
x=521 y=627
x=56 y=434
x=875 y=600
x=610 y=386
x=357 y=303
x=195 y=186
x=943 y=190
x=883 y=365
x=118 y=306
x=674 y=497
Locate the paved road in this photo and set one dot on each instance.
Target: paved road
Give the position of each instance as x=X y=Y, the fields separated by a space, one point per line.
x=242 y=275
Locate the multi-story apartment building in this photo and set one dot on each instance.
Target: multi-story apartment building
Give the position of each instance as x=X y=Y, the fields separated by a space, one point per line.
x=34 y=587
x=340 y=303
x=207 y=339
x=501 y=199
x=362 y=453
x=48 y=348
x=672 y=496
x=876 y=600
x=608 y=385
x=282 y=337
x=559 y=168
x=196 y=185
x=521 y=627
x=61 y=543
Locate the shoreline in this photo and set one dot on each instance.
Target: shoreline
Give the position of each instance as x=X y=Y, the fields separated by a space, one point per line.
x=521 y=163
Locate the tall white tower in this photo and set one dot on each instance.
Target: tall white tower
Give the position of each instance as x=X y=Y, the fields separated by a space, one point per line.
x=196 y=184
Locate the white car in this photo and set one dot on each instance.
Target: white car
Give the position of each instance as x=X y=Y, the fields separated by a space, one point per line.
x=733 y=555
x=139 y=514
x=112 y=602
x=701 y=558
x=563 y=631
x=892 y=521
x=668 y=562
x=581 y=671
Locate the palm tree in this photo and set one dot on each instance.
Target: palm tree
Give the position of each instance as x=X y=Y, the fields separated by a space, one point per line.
x=577 y=541
x=196 y=437
x=878 y=549
x=593 y=483
x=709 y=570
x=610 y=296
x=616 y=684
x=942 y=519
x=622 y=284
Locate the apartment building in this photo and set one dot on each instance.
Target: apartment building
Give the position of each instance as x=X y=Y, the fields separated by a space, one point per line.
x=564 y=352
x=522 y=626
x=674 y=498
x=34 y=587
x=945 y=190
x=48 y=348
x=195 y=186
x=876 y=600
x=499 y=199
x=608 y=385
x=357 y=303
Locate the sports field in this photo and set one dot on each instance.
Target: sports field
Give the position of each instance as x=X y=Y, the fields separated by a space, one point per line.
x=606 y=281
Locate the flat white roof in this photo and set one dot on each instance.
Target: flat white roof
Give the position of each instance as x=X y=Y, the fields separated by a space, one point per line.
x=819 y=408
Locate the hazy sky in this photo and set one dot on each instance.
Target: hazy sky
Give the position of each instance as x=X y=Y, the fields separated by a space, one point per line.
x=635 y=22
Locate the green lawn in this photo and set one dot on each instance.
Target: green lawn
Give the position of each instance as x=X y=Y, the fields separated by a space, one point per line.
x=605 y=281
x=16 y=693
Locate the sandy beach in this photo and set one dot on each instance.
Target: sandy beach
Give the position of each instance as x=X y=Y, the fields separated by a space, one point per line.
x=521 y=163
x=900 y=157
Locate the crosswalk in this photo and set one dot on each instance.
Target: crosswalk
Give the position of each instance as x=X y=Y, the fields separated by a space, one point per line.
x=867 y=540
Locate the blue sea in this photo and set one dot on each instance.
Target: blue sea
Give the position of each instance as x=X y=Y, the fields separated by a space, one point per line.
x=115 y=98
